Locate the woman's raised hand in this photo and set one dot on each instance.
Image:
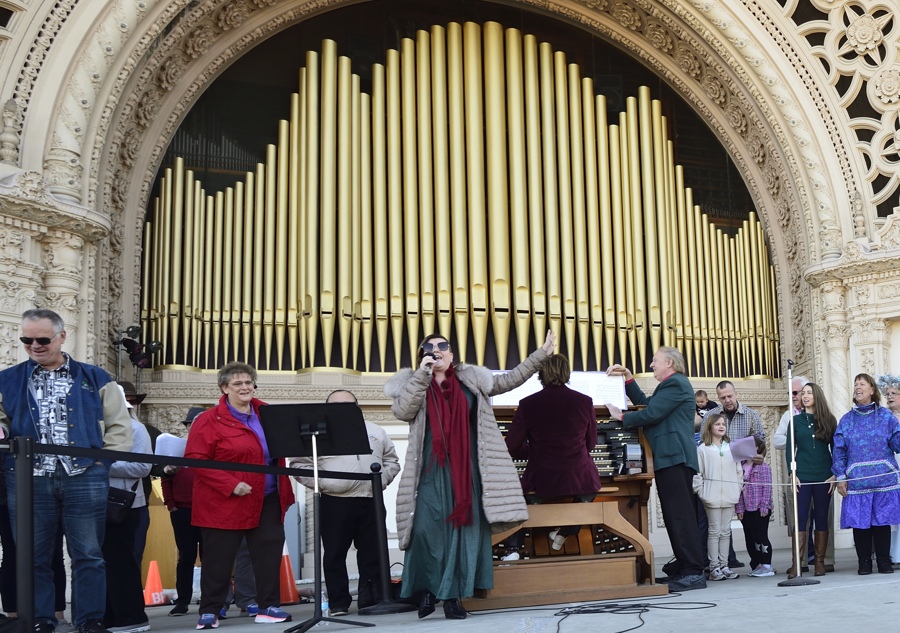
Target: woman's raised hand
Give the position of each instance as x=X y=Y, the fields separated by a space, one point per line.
x=549 y=342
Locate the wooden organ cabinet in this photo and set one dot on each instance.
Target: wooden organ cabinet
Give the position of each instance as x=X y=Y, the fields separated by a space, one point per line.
x=610 y=557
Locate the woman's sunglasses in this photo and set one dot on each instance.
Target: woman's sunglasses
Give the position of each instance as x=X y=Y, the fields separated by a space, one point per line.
x=443 y=346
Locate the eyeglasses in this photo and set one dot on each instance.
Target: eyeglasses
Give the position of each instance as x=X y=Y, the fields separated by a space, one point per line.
x=795 y=393
x=443 y=346
x=244 y=383
x=40 y=340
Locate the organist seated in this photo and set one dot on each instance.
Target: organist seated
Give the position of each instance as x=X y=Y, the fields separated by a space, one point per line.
x=555 y=430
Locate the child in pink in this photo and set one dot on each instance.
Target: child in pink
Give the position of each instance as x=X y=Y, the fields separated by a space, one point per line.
x=753 y=510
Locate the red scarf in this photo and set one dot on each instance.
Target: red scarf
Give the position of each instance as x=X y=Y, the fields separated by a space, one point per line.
x=448 y=415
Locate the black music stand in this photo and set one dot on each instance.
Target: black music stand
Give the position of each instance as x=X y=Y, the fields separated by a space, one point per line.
x=310 y=430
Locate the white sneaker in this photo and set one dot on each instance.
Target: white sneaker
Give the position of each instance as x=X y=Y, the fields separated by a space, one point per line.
x=557 y=540
x=716 y=574
x=511 y=556
x=762 y=571
x=729 y=575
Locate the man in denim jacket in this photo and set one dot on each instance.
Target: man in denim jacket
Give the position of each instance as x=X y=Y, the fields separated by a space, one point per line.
x=57 y=400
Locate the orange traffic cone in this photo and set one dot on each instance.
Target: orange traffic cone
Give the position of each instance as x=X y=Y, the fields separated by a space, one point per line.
x=153 y=592
x=289 y=593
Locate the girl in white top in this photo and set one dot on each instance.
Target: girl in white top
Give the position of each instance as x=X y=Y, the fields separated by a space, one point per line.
x=719 y=484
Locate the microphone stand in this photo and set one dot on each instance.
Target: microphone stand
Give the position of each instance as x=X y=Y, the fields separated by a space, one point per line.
x=798 y=580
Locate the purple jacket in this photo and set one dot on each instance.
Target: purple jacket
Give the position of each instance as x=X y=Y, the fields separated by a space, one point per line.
x=555 y=430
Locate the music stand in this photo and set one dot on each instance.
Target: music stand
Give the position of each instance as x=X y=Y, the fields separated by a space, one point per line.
x=308 y=430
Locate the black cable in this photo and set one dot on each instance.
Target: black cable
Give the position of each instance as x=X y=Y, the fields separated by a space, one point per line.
x=615 y=608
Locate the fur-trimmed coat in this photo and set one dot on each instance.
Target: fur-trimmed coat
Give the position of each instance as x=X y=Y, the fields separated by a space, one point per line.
x=502 y=500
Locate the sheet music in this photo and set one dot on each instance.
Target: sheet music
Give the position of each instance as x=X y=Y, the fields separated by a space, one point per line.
x=596 y=384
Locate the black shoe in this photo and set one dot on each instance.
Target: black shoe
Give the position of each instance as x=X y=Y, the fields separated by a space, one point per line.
x=865 y=567
x=366 y=594
x=687 y=583
x=672 y=568
x=43 y=626
x=426 y=604
x=179 y=609
x=93 y=626
x=884 y=565
x=453 y=610
x=736 y=564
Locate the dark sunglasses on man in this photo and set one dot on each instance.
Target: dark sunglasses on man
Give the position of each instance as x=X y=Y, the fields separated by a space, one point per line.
x=40 y=340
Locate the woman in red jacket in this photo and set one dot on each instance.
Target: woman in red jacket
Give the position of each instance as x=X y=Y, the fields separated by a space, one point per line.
x=230 y=505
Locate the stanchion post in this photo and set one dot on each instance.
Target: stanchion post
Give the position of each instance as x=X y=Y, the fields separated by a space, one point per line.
x=23 y=448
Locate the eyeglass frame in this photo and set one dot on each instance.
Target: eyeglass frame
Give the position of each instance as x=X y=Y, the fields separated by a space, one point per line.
x=440 y=346
x=40 y=340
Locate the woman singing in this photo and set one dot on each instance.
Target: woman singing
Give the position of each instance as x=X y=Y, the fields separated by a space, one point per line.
x=459 y=483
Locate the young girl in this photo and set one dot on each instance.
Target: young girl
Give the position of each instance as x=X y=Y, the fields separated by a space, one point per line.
x=753 y=511
x=719 y=485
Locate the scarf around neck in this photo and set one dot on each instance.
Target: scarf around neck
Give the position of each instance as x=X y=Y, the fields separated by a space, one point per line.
x=448 y=416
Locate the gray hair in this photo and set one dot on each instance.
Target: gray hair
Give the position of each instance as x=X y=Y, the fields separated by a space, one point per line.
x=232 y=369
x=803 y=380
x=675 y=356
x=36 y=314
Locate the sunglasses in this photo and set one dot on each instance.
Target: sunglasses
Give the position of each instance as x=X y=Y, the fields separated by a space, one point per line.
x=40 y=340
x=443 y=346
x=795 y=392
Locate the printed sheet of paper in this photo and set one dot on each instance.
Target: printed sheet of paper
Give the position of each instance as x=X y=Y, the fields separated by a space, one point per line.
x=168 y=445
x=596 y=384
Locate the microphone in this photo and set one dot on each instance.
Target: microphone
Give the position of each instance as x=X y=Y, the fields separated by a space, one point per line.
x=430 y=355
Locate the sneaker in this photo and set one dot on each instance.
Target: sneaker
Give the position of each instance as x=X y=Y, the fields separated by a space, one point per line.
x=339 y=612
x=762 y=571
x=179 y=609
x=729 y=575
x=250 y=610
x=558 y=540
x=717 y=573
x=688 y=583
x=223 y=613
x=511 y=556
x=92 y=626
x=43 y=626
x=130 y=628
x=207 y=621
x=272 y=615
x=65 y=627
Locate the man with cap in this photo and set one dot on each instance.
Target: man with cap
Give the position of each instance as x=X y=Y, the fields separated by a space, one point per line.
x=178 y=487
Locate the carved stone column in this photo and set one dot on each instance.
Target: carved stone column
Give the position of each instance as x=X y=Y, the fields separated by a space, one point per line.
x=837 y=341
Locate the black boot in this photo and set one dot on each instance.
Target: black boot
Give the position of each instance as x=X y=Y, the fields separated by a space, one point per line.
x=453 y=610
x=426 y=604
x=884 y=565
x=865 y=567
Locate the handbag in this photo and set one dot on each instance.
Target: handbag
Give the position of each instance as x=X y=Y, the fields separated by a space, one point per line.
x=118 y=503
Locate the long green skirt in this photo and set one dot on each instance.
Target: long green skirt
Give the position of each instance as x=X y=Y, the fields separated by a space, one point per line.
x=449 y=562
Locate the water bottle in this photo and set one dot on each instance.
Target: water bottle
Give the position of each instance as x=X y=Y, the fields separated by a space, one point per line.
x=326 y=612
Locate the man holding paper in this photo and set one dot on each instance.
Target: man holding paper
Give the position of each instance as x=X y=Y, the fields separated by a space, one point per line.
x=668 y=423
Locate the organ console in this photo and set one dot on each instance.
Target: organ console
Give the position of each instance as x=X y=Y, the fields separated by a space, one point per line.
x=611 y=557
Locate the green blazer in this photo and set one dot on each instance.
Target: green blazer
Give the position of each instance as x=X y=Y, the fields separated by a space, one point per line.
x=668 y=421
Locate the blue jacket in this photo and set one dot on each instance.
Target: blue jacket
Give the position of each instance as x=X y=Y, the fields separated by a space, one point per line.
x=98 y=417
x=668 y=421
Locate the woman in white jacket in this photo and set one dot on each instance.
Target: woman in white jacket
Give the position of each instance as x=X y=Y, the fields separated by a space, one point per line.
x=719 y=484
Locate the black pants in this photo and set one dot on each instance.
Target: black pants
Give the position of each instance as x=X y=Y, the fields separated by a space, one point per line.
x=756 y=536
x=345 y=521
x=189 y=544
x=676 y=497
x=880 y=534
x=124 y=591
x=265 y=543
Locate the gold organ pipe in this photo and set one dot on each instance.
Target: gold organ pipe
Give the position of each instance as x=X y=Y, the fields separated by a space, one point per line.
x=208 y=274
x=227 y=264
x=632 y=234
x=188 y=274
x=249 y=222
x=710 y=313
x=148 y=243
x=750 y=297
x=395 y=199
x=441 y=148
x=176 y=305
x=153 y=265
x=356 y=240
x=271 y=262
x=458 y=208
x=758 y=285
x=326 y=263
x=259 y=242
x=677 y=257
x=293 y=231
x=776 y=347
x=688 y=245
x=618 y=229
x=604 y=154
x=312 y=202
x=238 y=268
x=535 y=188
x=302 y=175
x=199 y=270
x=425 y=151
x=366 y=269
x=551 y=191
x=726 y=290
x=381 y=252
x=518 y=188
x=497 y=188
x=735 y=275
x=474 y=115
x=345 y=191
x=768 y=315
x=666 y=231
x=410 y=206
x=592 y=226
x=166 y=261
x=579 y=222
x=218 y=206
x=564 y=167
x=281 y=167
x=647 y=317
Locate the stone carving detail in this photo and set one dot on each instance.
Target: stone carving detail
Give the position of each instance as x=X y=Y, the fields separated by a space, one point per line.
x=232 y=15
x=147 y=107
x=862 y=294
x=199 y=41
x=859 y=219
x=714 y=89
x=686 y=60
x=130 y=146
x=887 y=85
x=9 y=135
x=63 y=254
x=867 y=360
x=626 y=15
x=864 y=34
x=657 y=34
x=170 y=72
x=12 y=244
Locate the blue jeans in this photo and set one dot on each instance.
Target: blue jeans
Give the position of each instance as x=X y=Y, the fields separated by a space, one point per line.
x=79 y=504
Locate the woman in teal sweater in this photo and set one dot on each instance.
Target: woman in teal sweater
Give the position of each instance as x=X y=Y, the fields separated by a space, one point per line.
x=813 y=432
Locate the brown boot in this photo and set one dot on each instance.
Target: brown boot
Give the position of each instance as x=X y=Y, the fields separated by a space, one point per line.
x=801 y=537
x=820 y=540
